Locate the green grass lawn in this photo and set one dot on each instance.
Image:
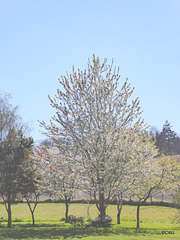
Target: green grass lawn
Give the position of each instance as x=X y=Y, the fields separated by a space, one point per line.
x=49 y=225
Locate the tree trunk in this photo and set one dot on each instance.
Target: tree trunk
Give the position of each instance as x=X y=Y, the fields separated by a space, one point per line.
x=138 y=210
x=162 y=197
x=67 y=210
x=9 y=214
x=33 y=220
x=32 y=210
x=118 y=215
x=119 y=207
x=102 y=206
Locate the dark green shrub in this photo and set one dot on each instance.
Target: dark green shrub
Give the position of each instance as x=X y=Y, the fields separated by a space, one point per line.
x=101 y=222
x=76 y=221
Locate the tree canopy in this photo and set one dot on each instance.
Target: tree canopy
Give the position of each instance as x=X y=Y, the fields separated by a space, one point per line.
x=95 y=115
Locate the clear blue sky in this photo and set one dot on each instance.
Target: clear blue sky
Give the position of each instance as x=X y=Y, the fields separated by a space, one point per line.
x=41 y=39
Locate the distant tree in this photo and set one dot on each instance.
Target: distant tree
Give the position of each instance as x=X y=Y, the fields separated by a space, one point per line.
x=92 y=112
x=46 y=142
x=166 y=140
x=177 y=145
x=155 y=132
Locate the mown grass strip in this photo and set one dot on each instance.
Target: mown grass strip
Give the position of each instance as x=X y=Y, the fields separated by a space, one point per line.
x=49 y=225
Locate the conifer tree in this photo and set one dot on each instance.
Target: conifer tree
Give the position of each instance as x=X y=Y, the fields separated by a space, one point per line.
x=14 y=150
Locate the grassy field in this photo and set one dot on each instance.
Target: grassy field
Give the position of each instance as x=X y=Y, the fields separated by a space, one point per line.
x=49 y=224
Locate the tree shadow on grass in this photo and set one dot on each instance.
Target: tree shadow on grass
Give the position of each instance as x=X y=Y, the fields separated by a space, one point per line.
x=46 y=231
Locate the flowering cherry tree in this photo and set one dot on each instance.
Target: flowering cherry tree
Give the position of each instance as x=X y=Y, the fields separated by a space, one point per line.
x=93 y=112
